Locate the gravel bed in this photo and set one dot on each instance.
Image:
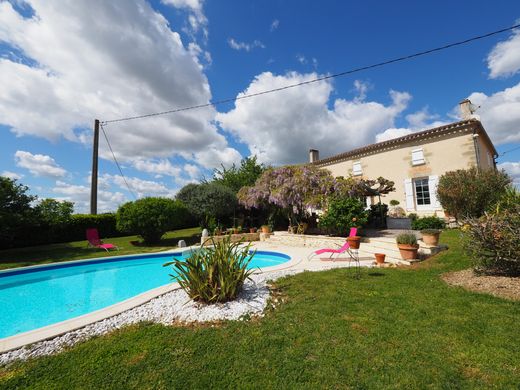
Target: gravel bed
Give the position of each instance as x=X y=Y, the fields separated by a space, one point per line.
x=172 y=307
x=500 y=286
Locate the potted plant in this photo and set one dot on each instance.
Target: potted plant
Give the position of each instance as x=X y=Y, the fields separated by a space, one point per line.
x=380 y=258
x=265 y=229
x=408 y=247
x=431 y=236
x=354 y=241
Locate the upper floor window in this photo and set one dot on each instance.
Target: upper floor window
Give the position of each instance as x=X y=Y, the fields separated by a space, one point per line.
x=417 y=157
x=356 y=168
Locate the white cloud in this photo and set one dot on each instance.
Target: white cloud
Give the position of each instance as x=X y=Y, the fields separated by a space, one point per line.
x=236 y=45
x=131 y=62
x=39 y=164
x=417 y=121
x=504 y=58
x=392 y=133
x=11 y=175
x=80 y=195
x=197 y=19
x=161 y=167
x=500 y=114
x=280 y=128
x=142 y=187
x=513 y=169
x=274 y=25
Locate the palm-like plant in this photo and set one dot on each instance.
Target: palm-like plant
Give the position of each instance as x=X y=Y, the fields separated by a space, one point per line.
x=216 y=273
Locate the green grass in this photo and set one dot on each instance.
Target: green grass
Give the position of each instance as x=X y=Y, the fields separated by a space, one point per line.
x=393 y=328
x=21 y=257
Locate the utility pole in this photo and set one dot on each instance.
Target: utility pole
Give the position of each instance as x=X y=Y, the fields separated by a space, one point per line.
x=94 y=181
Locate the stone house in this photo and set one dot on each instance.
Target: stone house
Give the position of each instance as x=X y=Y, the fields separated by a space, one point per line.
x=416 y=161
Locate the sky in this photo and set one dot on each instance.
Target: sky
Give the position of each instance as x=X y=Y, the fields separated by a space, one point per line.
x=65 y=63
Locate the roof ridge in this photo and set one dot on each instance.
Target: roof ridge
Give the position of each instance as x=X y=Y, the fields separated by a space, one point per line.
x=397 y=140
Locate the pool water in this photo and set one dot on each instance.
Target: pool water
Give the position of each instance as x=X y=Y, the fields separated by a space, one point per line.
x=36 y=297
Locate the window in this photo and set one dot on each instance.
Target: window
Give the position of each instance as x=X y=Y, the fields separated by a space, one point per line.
x=356 y=169
x=417 y=157
x=422 y=192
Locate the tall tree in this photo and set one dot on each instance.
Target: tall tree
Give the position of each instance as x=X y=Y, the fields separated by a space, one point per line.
x=237 y=177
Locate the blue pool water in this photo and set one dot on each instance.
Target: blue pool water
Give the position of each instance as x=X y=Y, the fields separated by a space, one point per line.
x=32 y=298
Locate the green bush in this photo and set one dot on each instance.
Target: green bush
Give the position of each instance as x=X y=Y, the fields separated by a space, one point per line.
x=377 y=214
x=428 y=223
x=394 y=202
x=214 y=274
x=493 y=243
x=342 y=214
x=152 y=217
x=406 y=239
x=508 y=201
x=469 y=193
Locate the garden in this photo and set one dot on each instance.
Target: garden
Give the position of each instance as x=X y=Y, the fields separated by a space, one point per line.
x=419 y=326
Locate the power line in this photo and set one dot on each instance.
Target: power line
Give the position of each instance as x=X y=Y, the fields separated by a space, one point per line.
x=315 y=80
x=115 y=160
x=509 y=151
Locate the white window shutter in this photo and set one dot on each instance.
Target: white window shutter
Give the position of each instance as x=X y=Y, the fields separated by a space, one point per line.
x=433 y=182
x=368 y=202
x=408 y=190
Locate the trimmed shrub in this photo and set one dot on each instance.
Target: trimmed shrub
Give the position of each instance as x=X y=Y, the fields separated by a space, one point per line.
x=493 y=243
x=342 y=214
x=428 y=223
x=152 y=217
x=469 y=193
x=214 y=274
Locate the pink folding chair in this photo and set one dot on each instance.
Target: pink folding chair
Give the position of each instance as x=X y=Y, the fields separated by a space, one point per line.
x=333 y=252
x=94 y=241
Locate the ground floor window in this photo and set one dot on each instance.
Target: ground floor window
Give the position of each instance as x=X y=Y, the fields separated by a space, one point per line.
x=422 y=192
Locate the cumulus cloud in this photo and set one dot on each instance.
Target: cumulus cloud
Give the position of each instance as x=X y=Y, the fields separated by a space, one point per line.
x=274 y=24
x=280 y=128
x=513 y=169
x=11 y=175
x=504 y=58
x=500 y=114
x=39 y=164
x=236 y=45
x=80 y=195
x=197 y=19
x=417 y=121
x=130 y=62
x=142 y=187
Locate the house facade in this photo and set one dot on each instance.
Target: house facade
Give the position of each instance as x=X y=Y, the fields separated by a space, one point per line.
x=416 y=161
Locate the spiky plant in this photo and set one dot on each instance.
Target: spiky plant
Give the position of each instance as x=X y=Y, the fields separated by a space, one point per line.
x=215 y=273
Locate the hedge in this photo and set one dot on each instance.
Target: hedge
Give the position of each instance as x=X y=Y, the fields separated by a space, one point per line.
x=73 y=230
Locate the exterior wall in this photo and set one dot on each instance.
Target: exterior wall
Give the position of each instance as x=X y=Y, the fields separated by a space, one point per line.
x=441 y=154
x=486 y=158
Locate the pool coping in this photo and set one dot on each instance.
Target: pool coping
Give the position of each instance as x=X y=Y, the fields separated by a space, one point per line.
x=51 y=331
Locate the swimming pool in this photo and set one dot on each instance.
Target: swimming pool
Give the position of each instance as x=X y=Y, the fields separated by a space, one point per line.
x=34 y=297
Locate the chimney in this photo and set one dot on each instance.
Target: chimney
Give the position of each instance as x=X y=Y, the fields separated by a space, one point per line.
x=467 y=110
x=314 y=155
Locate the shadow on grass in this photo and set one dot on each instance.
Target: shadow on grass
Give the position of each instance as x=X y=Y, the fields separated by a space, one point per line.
x=376 y=274
x=190 y=240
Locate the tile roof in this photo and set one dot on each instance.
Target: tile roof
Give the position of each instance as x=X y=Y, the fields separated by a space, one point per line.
x=472 y=124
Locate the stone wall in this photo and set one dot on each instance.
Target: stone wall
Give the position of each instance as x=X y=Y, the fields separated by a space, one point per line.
x=246 y=237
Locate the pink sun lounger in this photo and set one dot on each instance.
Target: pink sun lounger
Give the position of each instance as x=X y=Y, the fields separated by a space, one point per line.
x=342 y=249
x=93 y=240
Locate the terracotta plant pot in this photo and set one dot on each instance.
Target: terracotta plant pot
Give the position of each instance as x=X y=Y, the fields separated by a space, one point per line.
x=408 y=252
x=380 y=258
x=265 y=229
x=252 y=230
x=354 y=242
x=431 y=239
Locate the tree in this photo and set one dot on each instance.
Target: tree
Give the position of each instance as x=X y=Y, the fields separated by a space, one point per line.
x=152 y=217
x=53 y=212
x=295 y=189
x=208 y=202
x=237 y=177
x=344 y=213
x=16 y=211
x=467 y=193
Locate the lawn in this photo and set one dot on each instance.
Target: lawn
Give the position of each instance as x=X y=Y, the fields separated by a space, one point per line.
x=393 y=328
x=21 y=257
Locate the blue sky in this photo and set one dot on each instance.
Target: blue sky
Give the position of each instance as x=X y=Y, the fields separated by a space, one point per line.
x=62 y=65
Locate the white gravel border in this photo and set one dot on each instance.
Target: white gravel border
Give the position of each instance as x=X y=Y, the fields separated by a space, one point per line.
x=172 y=307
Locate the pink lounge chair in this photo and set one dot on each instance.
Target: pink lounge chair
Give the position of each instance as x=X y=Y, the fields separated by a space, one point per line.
x=93 y=240
x=340 y=250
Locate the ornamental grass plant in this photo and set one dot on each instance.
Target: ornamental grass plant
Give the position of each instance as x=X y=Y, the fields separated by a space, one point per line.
x=216 y=273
